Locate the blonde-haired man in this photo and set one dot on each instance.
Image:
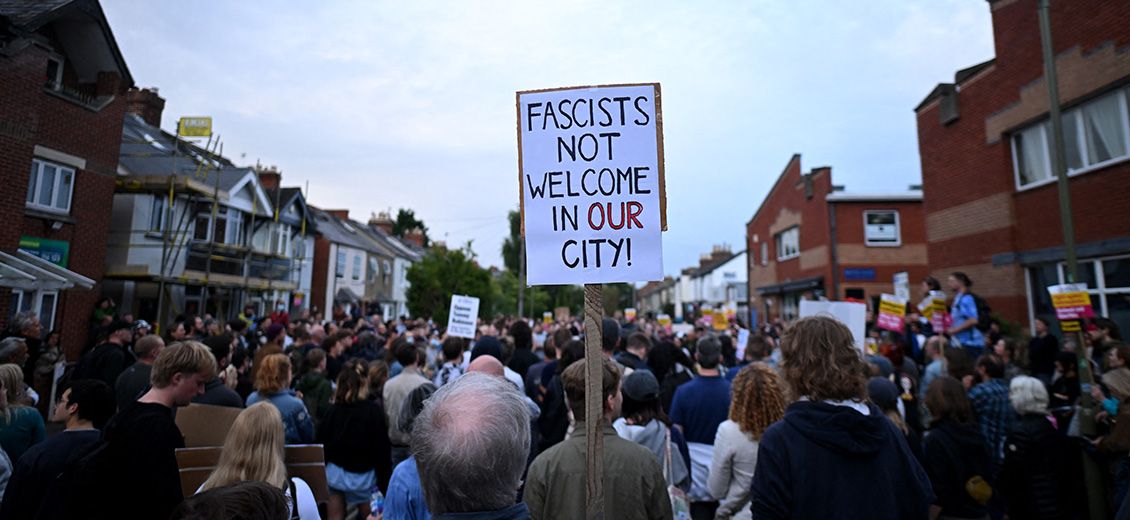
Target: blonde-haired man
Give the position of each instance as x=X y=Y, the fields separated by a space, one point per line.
x=139 y=443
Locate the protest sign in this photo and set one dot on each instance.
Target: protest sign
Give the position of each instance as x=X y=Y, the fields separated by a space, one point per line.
x=902 y=285
x=720 y=322
x=463 y=316
x=892 y=310
x=591 y=177
x=852 y=314
x=743 y=340
x=547 y=317
x=630 y=314
x=1071 y=301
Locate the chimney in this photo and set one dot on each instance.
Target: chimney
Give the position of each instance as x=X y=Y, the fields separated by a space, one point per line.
x=415 y=236
x=339 y=213
x=269 y=178
x=383 y=222
x=146 y=103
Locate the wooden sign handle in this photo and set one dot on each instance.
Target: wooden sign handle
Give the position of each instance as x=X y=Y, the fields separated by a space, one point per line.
x=594 y=402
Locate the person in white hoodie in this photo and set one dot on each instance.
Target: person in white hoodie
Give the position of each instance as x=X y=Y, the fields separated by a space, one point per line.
x=643 y=422
x=758 y=400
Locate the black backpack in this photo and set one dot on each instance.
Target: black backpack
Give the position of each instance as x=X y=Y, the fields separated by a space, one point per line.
x=79 y=490
x=984 y=313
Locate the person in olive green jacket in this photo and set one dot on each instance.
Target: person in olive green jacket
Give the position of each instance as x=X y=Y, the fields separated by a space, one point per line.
x=315 y=388
x=634 y=487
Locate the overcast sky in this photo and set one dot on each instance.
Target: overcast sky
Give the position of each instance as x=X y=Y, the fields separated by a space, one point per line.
x=384 y=105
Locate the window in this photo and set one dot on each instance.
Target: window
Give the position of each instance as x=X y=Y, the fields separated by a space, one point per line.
x=49 y=187
x=339 y=269
x=201 y=228
x=43 y=303
x=158 y=213
x=281 y=240
x=881 y=228
x=1094 y=134
x=386 y=270
x=788 y=243
x=1107 y=279
x=234 y=226
x=356 y=267
x=765 y=253
x=371 y=276
x=54 y=72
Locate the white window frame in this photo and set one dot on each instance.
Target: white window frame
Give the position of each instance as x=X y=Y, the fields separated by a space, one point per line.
x=784 y=239
x=38 y=166
x=869 y=242
x=56 y=83
x=339 y=264
x=36 y=305
x=764 y=253
x=233 y=232
x=158 y=211
x=1076 y=113
x=356 y=267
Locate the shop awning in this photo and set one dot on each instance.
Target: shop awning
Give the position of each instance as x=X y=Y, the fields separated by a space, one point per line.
x=803 y=284
x=31 y=273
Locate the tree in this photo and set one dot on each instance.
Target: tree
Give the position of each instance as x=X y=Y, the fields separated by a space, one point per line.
x=512 y=245
x=406 y=221
x=442 y=273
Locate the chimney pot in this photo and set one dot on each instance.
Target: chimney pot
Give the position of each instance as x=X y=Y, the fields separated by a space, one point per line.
x=147 y=104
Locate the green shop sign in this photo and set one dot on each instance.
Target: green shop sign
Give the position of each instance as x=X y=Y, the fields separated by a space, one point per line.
x=54 y=251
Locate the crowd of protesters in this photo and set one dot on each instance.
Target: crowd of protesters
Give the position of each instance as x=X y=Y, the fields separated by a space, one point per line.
x=797 y=422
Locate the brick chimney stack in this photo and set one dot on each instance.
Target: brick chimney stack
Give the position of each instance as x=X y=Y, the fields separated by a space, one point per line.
x=339 y=213
x=383 y=222
x=269 y=177
x=146 y=103
x=415 y=236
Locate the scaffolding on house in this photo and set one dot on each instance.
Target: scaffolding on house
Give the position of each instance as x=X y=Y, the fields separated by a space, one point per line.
x=226 y=273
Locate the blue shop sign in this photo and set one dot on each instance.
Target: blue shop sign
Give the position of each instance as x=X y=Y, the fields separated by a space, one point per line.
x=859 y=274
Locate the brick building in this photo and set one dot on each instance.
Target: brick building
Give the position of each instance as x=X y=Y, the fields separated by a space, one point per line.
x=984 y=139
x=62 y=101
x=809 y=239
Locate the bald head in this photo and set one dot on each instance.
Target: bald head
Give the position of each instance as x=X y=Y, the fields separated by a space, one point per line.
x=489 y=365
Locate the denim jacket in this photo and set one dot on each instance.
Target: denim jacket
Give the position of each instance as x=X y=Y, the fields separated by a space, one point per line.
x=297 y=423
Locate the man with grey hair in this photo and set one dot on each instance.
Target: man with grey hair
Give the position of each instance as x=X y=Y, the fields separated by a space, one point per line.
x=470 y=444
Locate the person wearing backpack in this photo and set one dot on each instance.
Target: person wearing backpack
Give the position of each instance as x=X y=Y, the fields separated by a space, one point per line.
x=966 y=328
x=1036 y=479
x=955 y=455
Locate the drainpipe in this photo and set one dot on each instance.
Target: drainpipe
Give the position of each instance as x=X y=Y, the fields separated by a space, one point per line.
x=835 y=255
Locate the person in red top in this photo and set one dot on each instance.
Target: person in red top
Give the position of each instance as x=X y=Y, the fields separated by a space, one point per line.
x=280 y=315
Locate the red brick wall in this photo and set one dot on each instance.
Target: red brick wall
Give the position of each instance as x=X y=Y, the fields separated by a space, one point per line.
x=961 y=163
x=28 y=117
x=788 y=194
x=909 y=257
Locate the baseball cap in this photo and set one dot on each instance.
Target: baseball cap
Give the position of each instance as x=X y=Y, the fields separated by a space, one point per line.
x=641 y=385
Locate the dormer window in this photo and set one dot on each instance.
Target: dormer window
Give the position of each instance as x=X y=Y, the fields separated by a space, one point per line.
x=54 y=76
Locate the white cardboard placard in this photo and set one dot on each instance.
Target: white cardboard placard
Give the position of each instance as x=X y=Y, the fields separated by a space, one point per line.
x=463 y=317
x=590 y=170
x=852 y=314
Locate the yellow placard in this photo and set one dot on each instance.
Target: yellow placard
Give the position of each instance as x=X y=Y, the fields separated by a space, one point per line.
x=547 y=317
x=195 y=126
x=1070 y=326
x=1071 y=299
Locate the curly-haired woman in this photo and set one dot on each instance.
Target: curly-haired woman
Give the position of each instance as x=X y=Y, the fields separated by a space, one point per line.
x=758 y=401
x=833 y=455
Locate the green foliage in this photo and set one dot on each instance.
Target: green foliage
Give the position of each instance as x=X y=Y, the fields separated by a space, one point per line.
x=511 y=246
x=443 y=272
x=617 y=297
x=406 y=221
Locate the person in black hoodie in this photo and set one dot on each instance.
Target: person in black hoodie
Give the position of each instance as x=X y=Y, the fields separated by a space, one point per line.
x=954 y=451
x=834 y=455
x=1035 y=479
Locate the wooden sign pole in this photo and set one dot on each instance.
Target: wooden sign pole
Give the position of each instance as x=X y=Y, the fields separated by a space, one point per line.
x=594 y=402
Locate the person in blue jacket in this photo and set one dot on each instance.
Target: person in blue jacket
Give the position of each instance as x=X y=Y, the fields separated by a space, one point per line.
x=834 y=455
